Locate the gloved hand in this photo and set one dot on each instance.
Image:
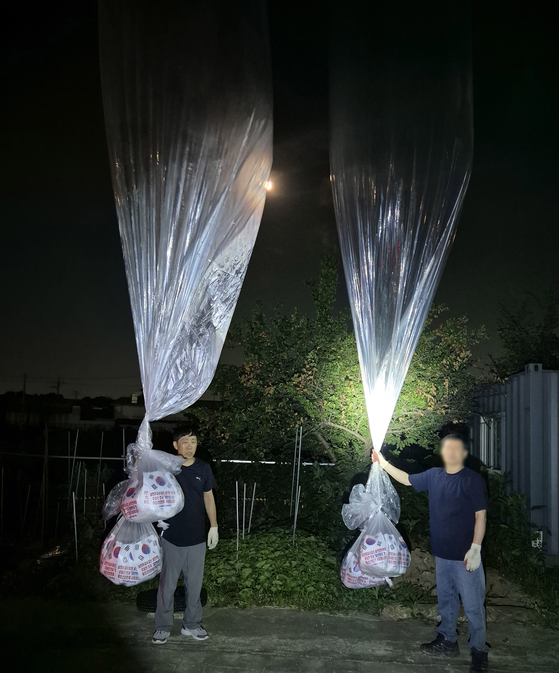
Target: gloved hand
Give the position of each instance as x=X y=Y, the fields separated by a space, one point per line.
x=162 y=524
x=472 y=560
x=213 y=538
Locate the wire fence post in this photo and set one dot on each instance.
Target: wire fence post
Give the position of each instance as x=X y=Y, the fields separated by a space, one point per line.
x=237 y=508
x=244 y=507
x=73 y=467
x=251 y=507
x=75 y=523
x=296 y=512
x=99 y=475
x=293 y=475
x=84 y=488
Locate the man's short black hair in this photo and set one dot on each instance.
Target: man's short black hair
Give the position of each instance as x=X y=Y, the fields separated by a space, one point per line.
x=454 y=435
x=184 y=430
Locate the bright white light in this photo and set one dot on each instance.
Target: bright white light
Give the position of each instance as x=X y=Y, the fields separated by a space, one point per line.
x=269 y=185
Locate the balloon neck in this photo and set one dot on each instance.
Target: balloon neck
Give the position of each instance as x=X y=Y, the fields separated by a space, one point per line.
x=142 y=444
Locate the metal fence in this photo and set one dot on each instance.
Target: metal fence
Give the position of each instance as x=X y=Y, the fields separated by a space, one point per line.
x=517 y=432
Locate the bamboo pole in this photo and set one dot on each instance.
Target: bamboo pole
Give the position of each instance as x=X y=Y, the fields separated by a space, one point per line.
x=251 y=507
x=84 y=488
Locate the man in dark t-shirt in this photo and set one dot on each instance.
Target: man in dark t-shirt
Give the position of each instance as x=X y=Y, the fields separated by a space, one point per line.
x=183 y=542
x=457 y=513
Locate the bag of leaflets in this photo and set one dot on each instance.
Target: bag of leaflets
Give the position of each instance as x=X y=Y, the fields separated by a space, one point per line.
x=152 y=492
x=380 y=552
x=350 y=572
x=131 y=553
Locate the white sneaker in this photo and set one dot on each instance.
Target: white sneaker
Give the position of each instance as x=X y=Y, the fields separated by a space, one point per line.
x=197 y=634
x=160 y=637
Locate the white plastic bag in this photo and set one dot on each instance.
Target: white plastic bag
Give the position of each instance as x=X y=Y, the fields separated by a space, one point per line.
x=152 y=492
x=131 y=554
x=350 y=572
x=382 y=550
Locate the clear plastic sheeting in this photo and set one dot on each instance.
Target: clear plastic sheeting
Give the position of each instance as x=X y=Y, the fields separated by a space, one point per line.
x=378 y=495
x=401 y=153
x=112 y=501
x=187 y=98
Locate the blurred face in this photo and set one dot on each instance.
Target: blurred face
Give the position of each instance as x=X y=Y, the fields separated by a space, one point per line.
x=186 y=446
x=453 y=453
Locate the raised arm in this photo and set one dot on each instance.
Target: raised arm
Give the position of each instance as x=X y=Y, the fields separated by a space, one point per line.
x=399 y=475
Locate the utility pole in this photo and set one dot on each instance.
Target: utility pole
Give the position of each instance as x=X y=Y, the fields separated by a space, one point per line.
x=57 y=385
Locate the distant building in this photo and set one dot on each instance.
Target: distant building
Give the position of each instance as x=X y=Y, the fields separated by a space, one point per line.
x=517 y=432
x=101 y=413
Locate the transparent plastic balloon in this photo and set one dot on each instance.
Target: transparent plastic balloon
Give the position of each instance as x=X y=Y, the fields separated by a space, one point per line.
x=187 y=98
x=401 y=153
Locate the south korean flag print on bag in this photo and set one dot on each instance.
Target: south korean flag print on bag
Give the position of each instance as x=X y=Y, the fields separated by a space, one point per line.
x=382 y=552
x=131 y=554
x=155 y=495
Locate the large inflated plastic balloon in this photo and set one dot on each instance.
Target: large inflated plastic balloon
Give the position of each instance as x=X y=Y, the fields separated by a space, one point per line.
x=187 y=98
x=401 y=152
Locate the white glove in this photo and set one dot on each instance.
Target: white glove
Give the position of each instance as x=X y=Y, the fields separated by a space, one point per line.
x=472 y=560
x=162 y=524
x=213 y=538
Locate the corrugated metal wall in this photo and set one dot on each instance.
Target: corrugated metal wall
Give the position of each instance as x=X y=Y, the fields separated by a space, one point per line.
x=525 y=440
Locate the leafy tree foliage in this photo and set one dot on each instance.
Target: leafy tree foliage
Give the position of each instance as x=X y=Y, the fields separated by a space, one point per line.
x=529 y=332
x=301 y=369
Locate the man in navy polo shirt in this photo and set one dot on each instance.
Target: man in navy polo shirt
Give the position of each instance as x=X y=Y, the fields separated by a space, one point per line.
x=183 y=541
x=457 y=513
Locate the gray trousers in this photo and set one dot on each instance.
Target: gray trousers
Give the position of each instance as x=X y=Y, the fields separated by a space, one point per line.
x=189 y=561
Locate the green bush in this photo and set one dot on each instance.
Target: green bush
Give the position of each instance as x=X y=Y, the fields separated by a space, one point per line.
x=269 y=570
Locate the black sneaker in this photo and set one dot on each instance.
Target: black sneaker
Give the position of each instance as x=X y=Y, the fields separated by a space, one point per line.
x=441 y=646
x=480 y=662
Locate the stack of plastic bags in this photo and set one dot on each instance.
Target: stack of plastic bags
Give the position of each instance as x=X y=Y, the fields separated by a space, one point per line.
x=380 y=552
x=131 y=553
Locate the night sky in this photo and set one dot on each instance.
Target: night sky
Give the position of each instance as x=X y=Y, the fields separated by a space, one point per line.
x=65 y=302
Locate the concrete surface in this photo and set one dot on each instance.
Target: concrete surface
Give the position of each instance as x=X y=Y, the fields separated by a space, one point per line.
x=45 y=636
